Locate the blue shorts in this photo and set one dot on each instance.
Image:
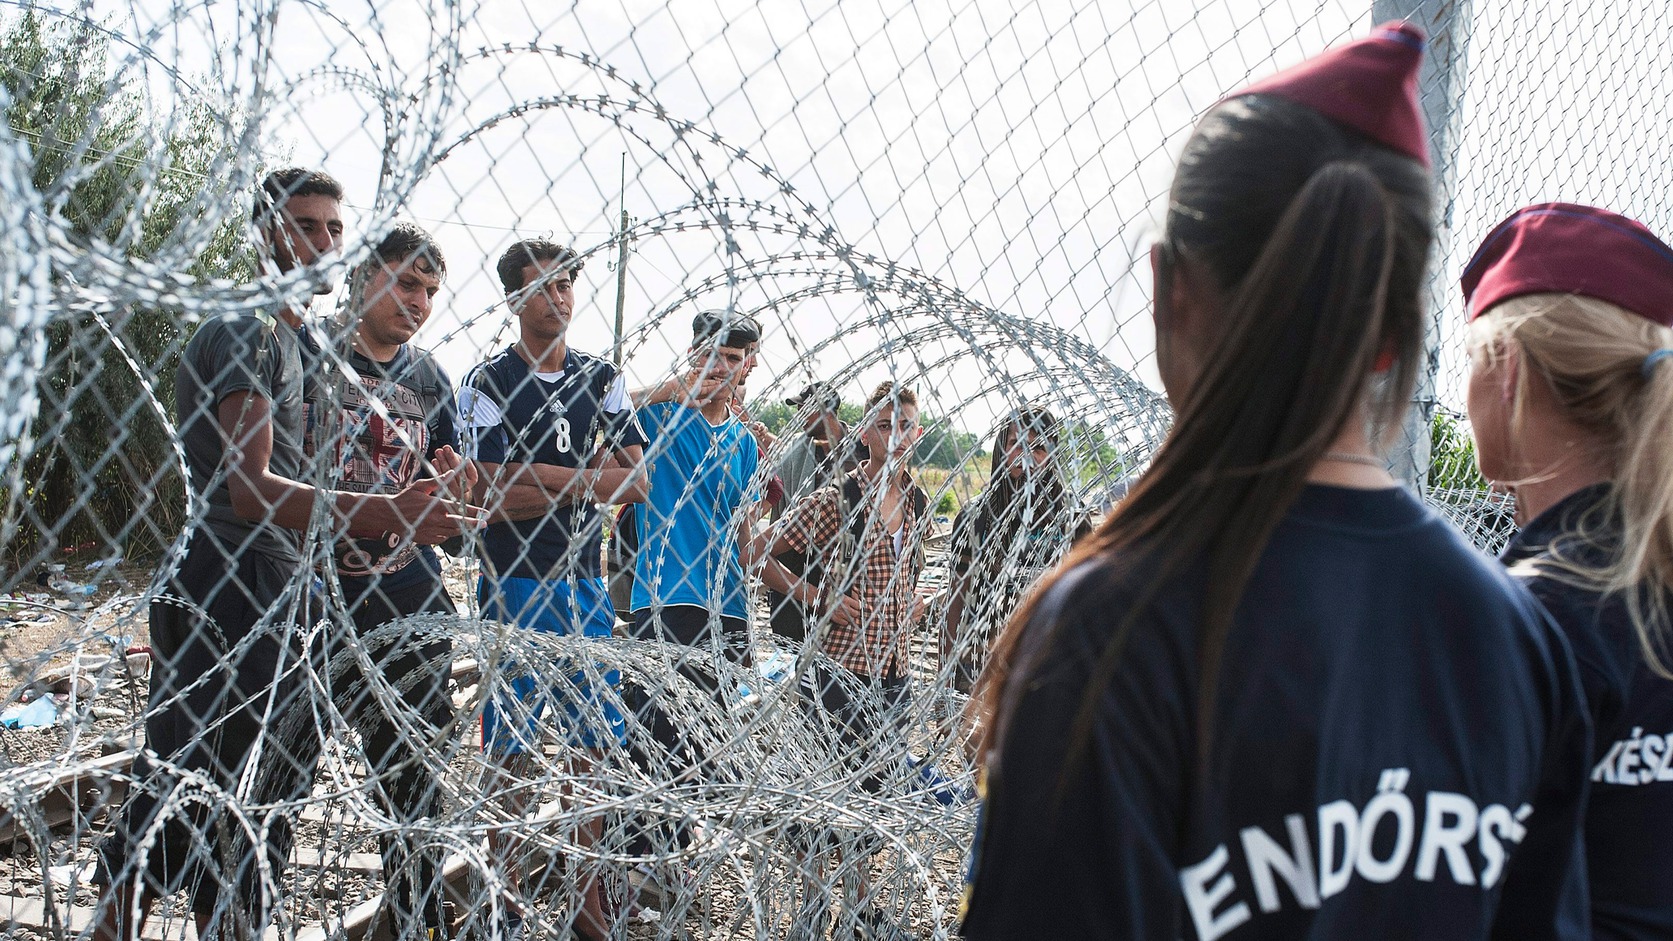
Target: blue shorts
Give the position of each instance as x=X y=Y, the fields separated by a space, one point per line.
x=587 y=716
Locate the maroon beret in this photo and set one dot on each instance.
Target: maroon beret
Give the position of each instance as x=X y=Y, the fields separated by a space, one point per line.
x=1562 y=248
x=1369 y=85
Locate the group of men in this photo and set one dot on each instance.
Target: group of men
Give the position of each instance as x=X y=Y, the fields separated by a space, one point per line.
x=516 y=464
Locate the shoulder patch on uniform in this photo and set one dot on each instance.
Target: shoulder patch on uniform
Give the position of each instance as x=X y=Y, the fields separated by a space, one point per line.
x=477 y=409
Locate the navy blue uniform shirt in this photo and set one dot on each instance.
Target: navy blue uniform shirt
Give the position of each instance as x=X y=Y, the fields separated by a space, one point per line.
x=1629 y=819
x=1399 y=751
x=513 y=416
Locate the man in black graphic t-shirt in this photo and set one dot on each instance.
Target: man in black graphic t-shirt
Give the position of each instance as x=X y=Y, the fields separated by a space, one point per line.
x=390 y=425
x=224 y=625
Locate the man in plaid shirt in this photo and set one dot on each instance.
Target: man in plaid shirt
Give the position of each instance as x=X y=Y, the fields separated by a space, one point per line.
x=863 y=538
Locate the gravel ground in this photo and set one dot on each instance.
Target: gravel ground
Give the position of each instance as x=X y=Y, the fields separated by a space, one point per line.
x=71 y=645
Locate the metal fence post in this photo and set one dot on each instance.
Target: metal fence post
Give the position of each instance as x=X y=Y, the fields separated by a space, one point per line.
x=1441 y=88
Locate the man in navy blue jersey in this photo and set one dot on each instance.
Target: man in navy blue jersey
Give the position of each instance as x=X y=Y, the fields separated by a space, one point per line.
x=555 y=435
x=391 y=424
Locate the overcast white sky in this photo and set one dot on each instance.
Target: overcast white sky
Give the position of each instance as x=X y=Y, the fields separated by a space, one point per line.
x=1015 y=150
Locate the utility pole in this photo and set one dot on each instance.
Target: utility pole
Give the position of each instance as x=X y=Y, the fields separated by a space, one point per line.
x=621 y=265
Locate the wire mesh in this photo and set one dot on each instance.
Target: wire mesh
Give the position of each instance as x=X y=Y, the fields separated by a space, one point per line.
x=308 y=726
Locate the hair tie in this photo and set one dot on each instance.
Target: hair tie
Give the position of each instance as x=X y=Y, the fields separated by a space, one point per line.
x=1650 y=361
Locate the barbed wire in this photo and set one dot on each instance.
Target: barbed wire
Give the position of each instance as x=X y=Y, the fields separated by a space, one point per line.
x=947 y=200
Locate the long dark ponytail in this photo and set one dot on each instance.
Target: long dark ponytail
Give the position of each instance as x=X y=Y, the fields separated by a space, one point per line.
x=1313 y=240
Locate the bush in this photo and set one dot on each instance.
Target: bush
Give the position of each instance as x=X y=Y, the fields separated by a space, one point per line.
x=103 y=469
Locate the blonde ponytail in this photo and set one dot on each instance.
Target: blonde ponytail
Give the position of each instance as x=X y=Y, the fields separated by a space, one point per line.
x=1604 y=365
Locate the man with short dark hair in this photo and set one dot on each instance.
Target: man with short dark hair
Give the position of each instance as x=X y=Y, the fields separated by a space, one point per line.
x=695 y=528
x=555 y=435
x=390 y=425
x=863 y=539
x=822 y=453
x=863 y=535
x=225 y=623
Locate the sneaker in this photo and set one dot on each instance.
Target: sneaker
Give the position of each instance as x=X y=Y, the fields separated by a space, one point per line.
x=507 y=926
x=939 y=786
x=713 y=838
x=661 y=887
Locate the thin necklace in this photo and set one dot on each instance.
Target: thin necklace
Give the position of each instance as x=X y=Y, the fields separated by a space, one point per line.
x=1366 y=459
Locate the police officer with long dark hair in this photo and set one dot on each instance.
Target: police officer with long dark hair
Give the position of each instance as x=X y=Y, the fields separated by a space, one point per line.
x=1274 y=696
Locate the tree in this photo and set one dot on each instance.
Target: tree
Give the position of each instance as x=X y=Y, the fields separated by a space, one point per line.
x=1457 y=488
x=945 y=446
x=1452 y=464
x=103 y=469
x=1093 y=460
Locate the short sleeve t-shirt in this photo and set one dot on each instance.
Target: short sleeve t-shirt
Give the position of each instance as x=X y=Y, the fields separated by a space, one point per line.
x=1629 y=819
x=509 y=414
x=1398 y=751
x=391 y=417
x=227 y=355
x=701 y=476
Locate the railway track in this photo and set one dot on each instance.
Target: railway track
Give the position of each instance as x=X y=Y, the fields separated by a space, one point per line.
x=84 y=795
x=87 y=793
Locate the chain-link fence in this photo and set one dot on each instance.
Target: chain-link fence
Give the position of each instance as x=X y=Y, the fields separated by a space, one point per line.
x=603 y=300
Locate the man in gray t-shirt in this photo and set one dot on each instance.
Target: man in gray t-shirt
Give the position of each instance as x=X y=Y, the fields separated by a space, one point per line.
x=257 y=355
x=223 y=621
x=822 y=452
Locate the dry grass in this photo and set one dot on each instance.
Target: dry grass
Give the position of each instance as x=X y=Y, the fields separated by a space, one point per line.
x=963 y=484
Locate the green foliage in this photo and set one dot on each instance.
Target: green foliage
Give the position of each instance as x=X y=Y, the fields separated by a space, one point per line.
x=104 y=471
x=778 y=416
x=947 y=505
x=945 y=446
x=1091 y=457
x=1452 y=463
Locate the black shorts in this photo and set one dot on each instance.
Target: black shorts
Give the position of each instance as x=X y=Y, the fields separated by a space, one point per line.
x=222 y=680
x=868 y=730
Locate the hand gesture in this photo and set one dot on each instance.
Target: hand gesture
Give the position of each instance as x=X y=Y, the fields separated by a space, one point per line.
x=845 y=611
x=699 y=385
x=428 y=515
x=921 y=605
x=456 y=477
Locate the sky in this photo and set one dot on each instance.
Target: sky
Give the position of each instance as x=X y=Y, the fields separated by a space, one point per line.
x=924 y=165
x=959 y=194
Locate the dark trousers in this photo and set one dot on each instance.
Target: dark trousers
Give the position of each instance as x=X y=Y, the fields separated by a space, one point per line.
x=690 y=626
x=787 y=617
x=222 y=681
x=867 y=735
x=398 y=738
x=868 y=731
